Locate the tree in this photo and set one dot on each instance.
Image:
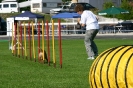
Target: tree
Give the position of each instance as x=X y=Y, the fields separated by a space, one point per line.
x=106 y=5
x=127 y=6
x=20 y=0
x=66 y=0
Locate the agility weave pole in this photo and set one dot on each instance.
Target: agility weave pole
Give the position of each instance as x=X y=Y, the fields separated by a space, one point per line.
x=33 y=43
x=53 y=44
x=60 y=43
x=21 y=41
x=48 y=48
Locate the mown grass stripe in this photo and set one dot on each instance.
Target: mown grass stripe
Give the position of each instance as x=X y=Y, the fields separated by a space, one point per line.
x=4 y=40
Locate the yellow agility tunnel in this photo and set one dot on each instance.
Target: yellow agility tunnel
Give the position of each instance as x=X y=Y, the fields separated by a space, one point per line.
x=113 y=68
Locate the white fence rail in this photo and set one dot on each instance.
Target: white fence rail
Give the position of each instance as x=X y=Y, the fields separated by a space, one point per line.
x=70 y=28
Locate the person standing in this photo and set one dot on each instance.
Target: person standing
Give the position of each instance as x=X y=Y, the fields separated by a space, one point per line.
x=90 y=20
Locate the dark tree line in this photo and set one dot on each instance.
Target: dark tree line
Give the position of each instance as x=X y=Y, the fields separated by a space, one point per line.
x=66 y=0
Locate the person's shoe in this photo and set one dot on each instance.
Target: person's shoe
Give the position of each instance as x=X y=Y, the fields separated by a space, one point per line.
x=91 y=58
x=96 y=54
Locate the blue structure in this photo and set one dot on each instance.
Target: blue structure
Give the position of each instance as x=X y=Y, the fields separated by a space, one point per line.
x=29 y=14
x=66 y=15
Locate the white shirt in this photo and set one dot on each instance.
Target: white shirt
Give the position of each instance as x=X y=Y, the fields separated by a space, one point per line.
x=89 y=19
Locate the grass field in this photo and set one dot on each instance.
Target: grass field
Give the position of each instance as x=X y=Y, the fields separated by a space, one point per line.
x=21 y=73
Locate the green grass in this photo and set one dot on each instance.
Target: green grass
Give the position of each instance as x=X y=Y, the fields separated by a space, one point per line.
x=16 y=72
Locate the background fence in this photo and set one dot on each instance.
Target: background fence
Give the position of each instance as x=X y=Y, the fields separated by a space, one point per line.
x=70 y=28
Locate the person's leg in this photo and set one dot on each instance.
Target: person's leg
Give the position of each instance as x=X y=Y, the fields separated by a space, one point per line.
x=88 y=41
x=90 y=45
x=93 y=45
